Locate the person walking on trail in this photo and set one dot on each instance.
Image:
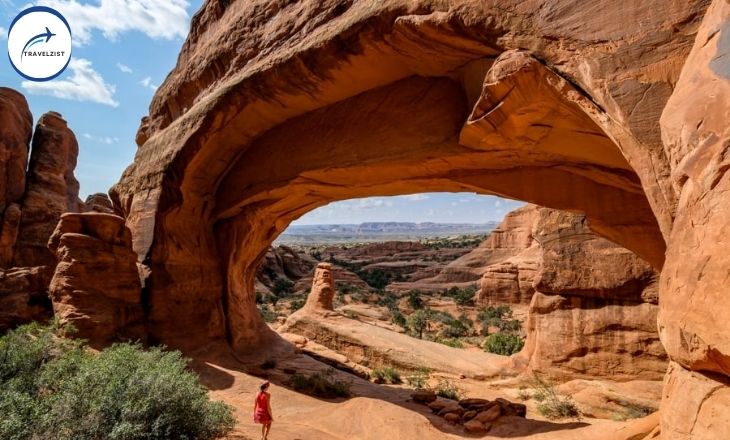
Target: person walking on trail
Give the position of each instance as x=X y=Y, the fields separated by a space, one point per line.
x=262 y=410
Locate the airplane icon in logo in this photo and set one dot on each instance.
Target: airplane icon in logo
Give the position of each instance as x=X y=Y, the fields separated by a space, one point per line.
x=37 y=39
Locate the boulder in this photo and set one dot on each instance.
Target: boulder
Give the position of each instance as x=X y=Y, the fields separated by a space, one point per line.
x=96 y=285
x=475 y=427
x=423 y=396
x=452 y=418
x=98 y=202
x=489 y=415
x=24 y=296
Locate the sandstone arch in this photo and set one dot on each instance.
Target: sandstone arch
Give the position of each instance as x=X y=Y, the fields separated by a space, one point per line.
x=509 y=98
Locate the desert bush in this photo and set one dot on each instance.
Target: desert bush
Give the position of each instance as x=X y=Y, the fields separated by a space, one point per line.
x=389 y=301
x=321 y=384
x=448 y=390
x=296 y=304
x=465 y=296
x=56 y=388
x=376 y=278
x=415 y=301
x=387 y=374
x=419 y=379
x=398 y=319
x=266 y=313
x=441 y=316
x=553 y=405
x=451 y=342
x=282 y=287
x=418 y=322
x=455 y=329
x=494 y=317
x=504 y=344
x=510 y=326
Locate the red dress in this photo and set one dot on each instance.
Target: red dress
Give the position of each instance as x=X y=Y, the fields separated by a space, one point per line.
x=261 y=411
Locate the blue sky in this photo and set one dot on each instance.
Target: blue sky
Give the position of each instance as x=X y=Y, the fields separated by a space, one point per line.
x=123 y=49
x=425 y=207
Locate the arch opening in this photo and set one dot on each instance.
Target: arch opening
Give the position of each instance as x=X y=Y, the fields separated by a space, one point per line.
x=528 y=136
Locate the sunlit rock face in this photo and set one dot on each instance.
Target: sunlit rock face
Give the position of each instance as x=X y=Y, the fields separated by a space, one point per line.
x=275 y=109
x=103 y=309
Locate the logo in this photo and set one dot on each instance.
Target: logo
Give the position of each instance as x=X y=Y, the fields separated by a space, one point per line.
x=39 y=43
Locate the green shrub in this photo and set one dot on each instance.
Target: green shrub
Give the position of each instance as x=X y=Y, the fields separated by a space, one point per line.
x=441 y=316
x=267 y=314
x=504 y=344
x=415 y=301
x=376 y=278
x=465 y=296
x=419 y=379
x=510 y=326
x=455 y=329
x=55 y=388
x=553 y=405
x=282 y=287
x=321 y=384
x=418 y=322
x=296 y=304
x=398 y=319
x=451 y=342
x=448 y=390
x=389 y=301
x=387 y=374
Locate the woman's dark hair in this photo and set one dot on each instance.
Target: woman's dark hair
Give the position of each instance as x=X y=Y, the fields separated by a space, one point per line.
x=264 y=386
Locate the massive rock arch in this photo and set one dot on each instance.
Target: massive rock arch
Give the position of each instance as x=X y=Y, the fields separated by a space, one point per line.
x=276 y=108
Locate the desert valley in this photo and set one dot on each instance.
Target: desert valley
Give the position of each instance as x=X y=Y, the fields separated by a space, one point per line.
x=595 y=310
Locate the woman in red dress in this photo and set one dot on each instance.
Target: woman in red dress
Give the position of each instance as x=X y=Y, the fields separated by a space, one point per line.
x=262 y=410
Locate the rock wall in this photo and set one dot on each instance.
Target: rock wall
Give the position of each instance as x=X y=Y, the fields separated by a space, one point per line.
x=51 y=189
x=33 y=195
x=15 y=134
x=275 y=109
x=96 y=285
x=693 y=290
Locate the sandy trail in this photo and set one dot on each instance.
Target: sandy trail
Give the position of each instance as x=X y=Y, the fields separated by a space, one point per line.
x=377 y=412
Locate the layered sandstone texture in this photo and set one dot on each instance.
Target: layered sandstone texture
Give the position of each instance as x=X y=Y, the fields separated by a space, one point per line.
x=693 y=306
x=594 y=309
x=277 y=108
x=96 y=285
x=36 y=186
x=323 y=290
x=495 y=255
x=15 y=134
x=51 y=189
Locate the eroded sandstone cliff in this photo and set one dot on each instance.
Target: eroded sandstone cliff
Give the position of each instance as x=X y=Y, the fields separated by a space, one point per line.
x=277 y=108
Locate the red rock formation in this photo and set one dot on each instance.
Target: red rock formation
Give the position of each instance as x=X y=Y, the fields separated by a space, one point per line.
x=51 y=189
x=15 y=134
x=278 y=109
x=96 y=286
x=323 y=289
x=693 y=304
x=98 y=202
x=24 y=296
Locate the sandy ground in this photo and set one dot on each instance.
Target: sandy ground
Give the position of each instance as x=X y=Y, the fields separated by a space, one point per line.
x=376 y=412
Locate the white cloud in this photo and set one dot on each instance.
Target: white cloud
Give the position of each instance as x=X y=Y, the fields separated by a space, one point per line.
x=156 y=19
x=416 y=197
x=124 y=68
x=147 y=82
x=497 y=203
x=85 y=84
x=101 y=139
x=3 y=33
